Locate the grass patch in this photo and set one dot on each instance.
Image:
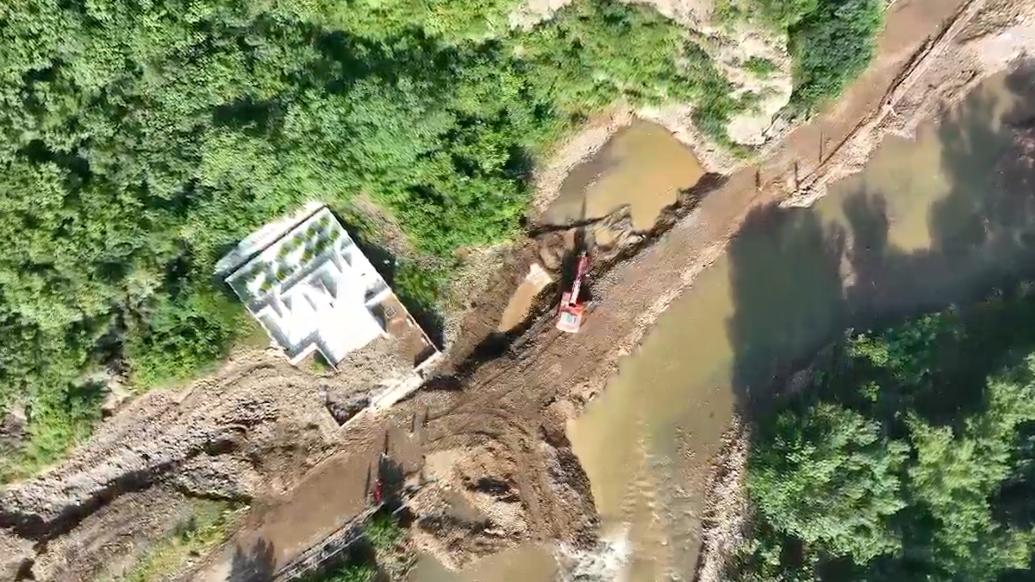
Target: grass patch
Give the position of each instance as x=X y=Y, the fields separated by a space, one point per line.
x=383 y=532
x=57 y=421
x=210 y=524
x=760 y=66
x=363 y=563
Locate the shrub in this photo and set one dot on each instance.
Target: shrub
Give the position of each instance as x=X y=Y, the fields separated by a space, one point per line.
x=830 y=47
x=382 y=531
x=760 y=66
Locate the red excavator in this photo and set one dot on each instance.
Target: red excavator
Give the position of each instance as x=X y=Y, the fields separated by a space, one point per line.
x=569 y=313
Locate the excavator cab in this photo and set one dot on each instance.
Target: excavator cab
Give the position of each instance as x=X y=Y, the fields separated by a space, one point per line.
x=571 y=309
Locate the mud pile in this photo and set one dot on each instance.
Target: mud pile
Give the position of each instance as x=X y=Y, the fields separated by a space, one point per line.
x=246 y=431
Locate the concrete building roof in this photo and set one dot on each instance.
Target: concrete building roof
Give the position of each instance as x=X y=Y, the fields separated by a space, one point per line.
x=312 y=289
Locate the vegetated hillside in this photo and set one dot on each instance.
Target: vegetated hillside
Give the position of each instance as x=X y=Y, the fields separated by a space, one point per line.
x=830 y=41
x=140 y=140
x=910 y=457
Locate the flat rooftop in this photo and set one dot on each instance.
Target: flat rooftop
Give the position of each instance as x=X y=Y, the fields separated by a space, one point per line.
x=313 y=290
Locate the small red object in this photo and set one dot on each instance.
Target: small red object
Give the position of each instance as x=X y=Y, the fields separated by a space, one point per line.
x=571 y=309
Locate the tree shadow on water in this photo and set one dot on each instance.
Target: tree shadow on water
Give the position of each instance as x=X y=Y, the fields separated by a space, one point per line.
x=786 y=292
x=787 y=265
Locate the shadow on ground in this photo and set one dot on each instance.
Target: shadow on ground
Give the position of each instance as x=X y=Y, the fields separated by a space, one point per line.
x=253 y=564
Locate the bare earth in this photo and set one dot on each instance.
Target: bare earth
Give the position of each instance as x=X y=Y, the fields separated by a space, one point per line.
x=487 y=436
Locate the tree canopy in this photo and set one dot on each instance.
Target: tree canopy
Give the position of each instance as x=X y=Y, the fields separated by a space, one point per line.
x=908 y=459
x=143 y=138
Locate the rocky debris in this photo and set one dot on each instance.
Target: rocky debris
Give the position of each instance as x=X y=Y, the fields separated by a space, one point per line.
x=571 y=486
x=16 y=555
x=344 y=406
x=218 y=477
x=1024 y=145
x=254 y=427
x=109 y=541
x=117 y=397
x=727 y=506
x=13 y=423
x=732 y=45
x=364 y=373
x=379 y=363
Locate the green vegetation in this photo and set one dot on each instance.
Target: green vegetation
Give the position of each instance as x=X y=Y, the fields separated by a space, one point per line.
x=760 y=66
x=909 y=458
x=383 y=532
x=378 y=551
x=831 y=46
x=141 y=140
x=349 y=572
x=209 y=525
x=62 y=416
x=830 y=41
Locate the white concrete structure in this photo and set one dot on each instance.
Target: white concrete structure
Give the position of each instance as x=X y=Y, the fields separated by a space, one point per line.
x=312 y=288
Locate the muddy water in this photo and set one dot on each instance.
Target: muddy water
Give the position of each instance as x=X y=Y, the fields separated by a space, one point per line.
x=524 y=296
x=642 y=166
x=926 y=223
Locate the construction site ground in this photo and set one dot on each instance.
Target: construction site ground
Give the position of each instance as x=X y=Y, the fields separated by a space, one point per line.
x=485 y=436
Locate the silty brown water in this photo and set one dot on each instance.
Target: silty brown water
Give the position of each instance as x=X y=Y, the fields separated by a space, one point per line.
x=642 y=165
x=928 y=222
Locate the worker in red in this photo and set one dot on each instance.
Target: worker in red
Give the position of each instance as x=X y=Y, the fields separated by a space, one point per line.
x=378 y=491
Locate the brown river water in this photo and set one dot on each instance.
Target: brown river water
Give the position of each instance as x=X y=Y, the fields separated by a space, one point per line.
x=642 y=165
x=928 y=222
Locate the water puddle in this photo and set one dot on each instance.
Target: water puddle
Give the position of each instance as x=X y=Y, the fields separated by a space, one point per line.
x=642 y=165
x=521 y=301
x=928 y=222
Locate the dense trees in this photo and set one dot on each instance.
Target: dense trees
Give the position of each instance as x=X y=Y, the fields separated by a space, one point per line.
x=831 y=41
x=909 y=459
x=831 y=45
x=141 y=139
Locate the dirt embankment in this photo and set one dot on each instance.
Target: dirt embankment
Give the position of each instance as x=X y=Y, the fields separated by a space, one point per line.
x=491 y=428
x=248 y=431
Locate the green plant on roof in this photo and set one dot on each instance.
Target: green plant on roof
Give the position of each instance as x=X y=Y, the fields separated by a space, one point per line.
x=325 y=221
x=266 y=286
x=334 y=234
x=307 y=254
x=284 y=250
x=283 y=272
x=321 y=245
